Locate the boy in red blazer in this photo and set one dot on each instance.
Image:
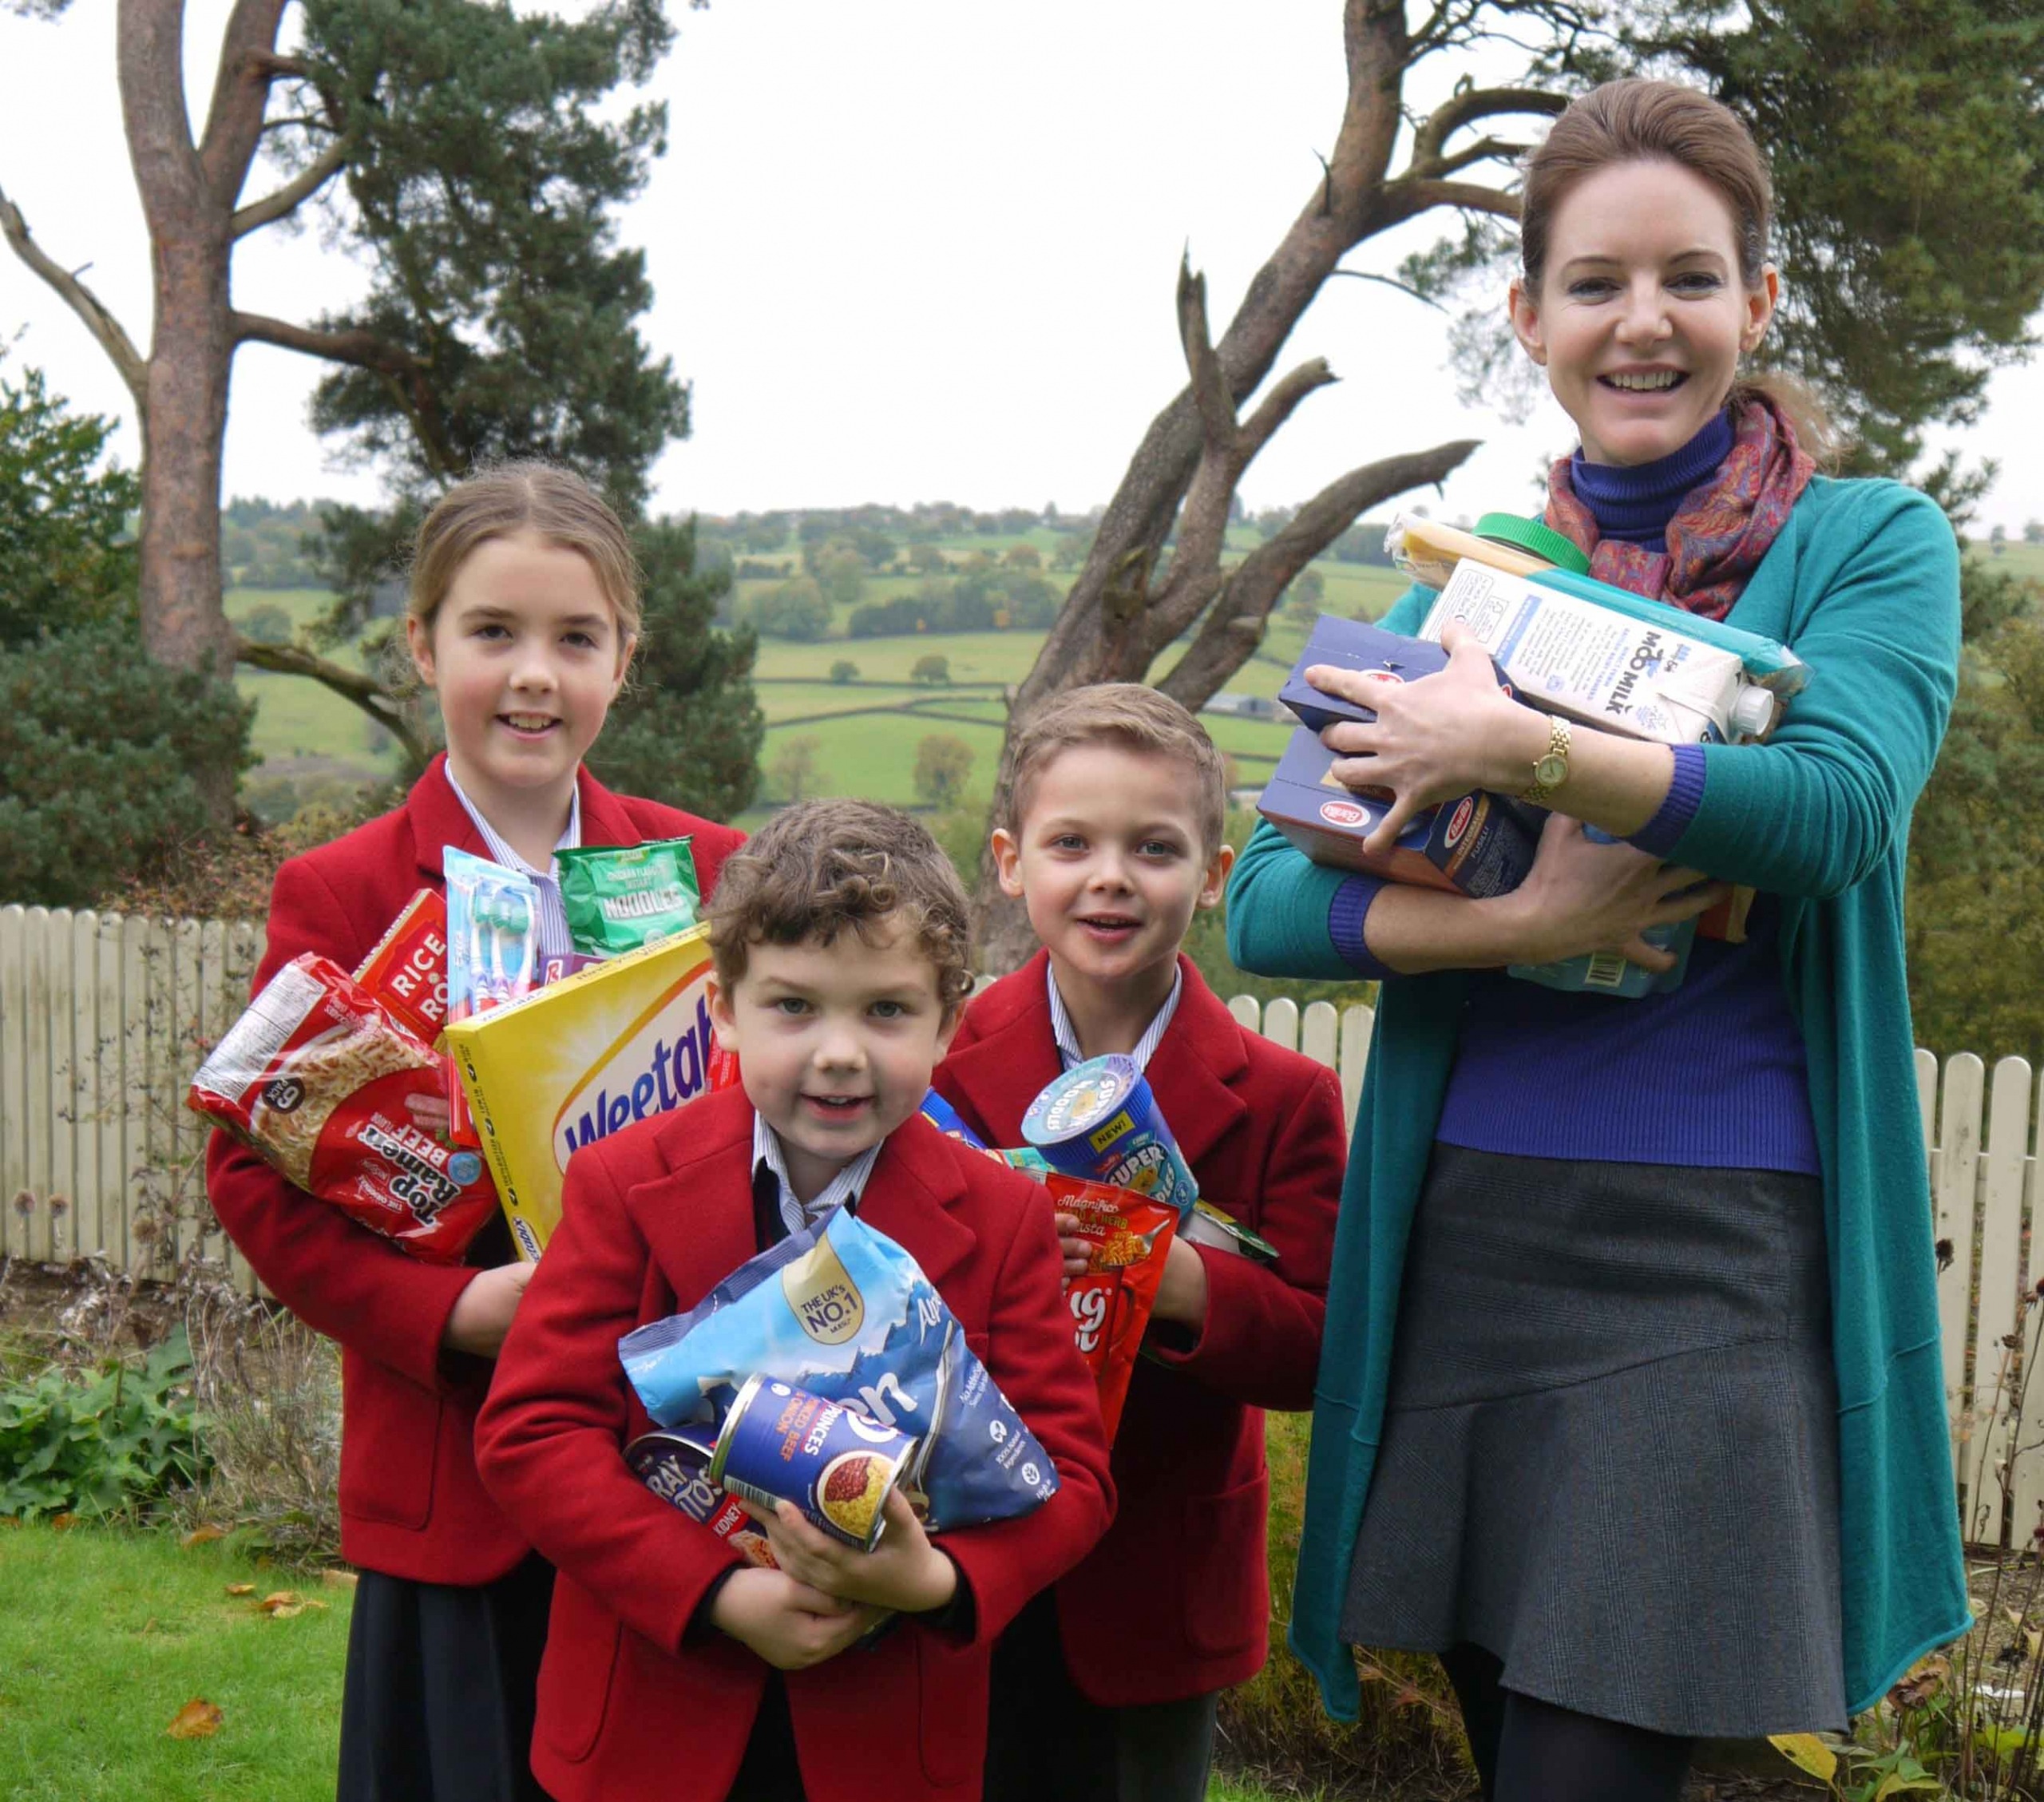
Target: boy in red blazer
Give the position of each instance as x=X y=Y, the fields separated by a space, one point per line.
x=1107 y=1689
x=674 y=1670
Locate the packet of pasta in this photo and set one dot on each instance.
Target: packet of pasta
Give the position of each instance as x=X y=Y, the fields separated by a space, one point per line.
x=1128 y=1237
x=318 y=1078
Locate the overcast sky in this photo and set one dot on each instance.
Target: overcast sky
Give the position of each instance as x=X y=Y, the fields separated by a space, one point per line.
x=904 y=250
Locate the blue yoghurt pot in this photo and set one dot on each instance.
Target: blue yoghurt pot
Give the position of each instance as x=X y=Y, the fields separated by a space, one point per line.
x=781 y=1443
x=1100 y=1121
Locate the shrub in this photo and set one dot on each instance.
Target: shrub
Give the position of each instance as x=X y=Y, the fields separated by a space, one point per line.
x=103 y=759
x=103 y=1441
x=933 y=669
x=844 y=670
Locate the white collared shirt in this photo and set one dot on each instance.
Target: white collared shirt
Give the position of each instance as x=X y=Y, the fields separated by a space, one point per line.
x=1067 y=1037
x=844 y=1187
x=555 y=940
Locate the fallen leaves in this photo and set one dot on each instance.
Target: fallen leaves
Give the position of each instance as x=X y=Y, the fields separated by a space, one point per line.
x=202 y=1535
x=241 y=1589
x=198 y=1720
x=282 y=1604
x=338 y=1579
x=1806 y=1753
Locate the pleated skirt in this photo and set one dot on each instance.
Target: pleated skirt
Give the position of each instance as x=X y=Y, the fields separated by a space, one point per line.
x=1611 y=1452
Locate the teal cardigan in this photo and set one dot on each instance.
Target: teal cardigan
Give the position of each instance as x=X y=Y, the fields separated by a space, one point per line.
x=1863 y=583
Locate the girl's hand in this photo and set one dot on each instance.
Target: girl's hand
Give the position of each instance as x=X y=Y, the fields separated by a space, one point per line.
x=482 y=1314
x=1581 y=896
x=790 y=1624
x=904 y=1572
x=1432 y=739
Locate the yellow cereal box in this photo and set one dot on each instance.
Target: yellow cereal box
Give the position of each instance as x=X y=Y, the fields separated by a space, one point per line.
x=578 y=1059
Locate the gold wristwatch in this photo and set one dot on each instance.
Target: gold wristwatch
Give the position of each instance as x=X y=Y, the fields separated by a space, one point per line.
x=1551 y=768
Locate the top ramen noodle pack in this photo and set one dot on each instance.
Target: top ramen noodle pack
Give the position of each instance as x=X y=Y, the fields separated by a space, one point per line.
x=1127 y=1238
x=580 y=1058
x=318 y=1078
x=842 y=1311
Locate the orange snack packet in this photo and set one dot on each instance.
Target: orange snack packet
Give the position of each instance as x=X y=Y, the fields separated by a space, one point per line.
x=1128 y=1236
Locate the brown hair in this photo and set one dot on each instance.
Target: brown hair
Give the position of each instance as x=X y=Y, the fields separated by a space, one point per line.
x=523 y=496
x=820 y=868
x=1134 y=717
x=1636 y=121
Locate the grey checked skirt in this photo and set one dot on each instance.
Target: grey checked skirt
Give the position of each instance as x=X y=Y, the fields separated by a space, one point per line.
x=1611 y=1452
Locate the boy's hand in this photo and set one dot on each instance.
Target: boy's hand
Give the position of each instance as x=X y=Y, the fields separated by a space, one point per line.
x=482 y=1313
x=1078 y=1252
x=788 y=1623
x=1182 y=1290
x=904 y=1572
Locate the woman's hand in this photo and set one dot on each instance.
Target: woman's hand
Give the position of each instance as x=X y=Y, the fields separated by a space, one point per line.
x=1582 y=897
x=1432 y=739
x=905 y=1571
x=482 y=1313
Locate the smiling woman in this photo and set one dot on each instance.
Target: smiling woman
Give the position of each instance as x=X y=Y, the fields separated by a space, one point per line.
x=1643 y=1304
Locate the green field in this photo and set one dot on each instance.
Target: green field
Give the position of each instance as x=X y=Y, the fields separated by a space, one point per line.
x=302 y=728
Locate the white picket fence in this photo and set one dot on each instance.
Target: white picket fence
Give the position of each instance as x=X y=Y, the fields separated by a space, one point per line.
x=103 y=1020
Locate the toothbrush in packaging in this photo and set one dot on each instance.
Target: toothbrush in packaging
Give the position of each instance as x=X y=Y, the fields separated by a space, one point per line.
x=492 y=954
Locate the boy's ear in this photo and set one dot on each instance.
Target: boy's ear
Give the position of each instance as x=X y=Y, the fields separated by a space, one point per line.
x=1216 y=885
x=1007 y=861
x=722 y=1020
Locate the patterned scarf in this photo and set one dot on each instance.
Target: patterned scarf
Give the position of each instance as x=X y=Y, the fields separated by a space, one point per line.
x=1719 y=533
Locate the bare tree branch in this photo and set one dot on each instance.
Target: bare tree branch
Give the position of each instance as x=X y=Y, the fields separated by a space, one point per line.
x=1392 y=281
x=1209 y=380
x=241 y=96
x=363 y=349
x=1279 y=405
x=1430 y=137
x=363 y=690
x=113 y=340
x=1470 y=196
x=294 y=193
x=1235 y=625
x=1483 y=150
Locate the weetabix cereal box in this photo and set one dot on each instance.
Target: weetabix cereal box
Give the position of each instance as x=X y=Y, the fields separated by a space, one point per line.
x=578 y=1059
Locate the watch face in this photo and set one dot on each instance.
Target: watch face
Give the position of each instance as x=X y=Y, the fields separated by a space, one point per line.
x=1549 y=772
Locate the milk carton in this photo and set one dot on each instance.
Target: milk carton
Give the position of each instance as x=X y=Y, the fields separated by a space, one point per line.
x=1647 y=678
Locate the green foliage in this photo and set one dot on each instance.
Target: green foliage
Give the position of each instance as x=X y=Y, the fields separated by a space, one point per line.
x=687 y=728
x=985 y=598
x=791 y=776
x=267 y=625
x=796 y=609
x=844 y=670
x=840 y=574
x=944 y=766
x=101 y=751
x=101 y=1442
x=933 y=669
x=66 y=558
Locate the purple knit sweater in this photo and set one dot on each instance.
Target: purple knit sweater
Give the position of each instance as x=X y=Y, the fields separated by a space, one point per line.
x=1710 y=1075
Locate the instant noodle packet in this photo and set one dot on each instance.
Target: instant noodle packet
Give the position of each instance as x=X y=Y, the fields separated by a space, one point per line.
x=580 y=1058
x=1128 y=1237
x=492 y=954
x=842 y=1311
x=618 y=897
x=318 y=1078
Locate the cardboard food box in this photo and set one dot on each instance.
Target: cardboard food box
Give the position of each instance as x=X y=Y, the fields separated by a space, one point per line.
x=1481 y=845
x=578 y=1059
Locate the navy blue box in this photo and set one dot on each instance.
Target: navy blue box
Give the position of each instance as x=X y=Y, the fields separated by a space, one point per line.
x=1354 y=645
x=1479 y=845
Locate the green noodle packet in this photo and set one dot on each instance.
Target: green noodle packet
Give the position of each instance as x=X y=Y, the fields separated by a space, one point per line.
x=618 y=897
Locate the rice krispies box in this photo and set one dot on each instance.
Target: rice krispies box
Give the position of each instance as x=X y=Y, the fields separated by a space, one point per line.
x=1480 y=845
x=580 y=1058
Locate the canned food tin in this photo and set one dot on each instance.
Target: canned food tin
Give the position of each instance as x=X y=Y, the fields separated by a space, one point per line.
x=1100 y=1121
x=675 y=1464
x=781 y=1443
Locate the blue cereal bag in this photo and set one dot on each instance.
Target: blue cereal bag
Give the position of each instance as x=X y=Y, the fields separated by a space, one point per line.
x=843 y=1311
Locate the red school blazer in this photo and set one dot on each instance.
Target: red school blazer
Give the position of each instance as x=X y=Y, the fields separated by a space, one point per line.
x=411 y=1502
x=632 y=1702
x=1262 y=1128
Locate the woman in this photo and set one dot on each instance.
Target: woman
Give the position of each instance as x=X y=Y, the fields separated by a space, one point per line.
x=1630 y=1404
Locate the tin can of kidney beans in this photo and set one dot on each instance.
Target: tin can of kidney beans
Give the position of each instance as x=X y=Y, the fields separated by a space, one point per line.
x=1100 y=1121
x=781 y=1443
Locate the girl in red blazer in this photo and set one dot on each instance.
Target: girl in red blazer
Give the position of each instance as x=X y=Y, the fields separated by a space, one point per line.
x=522 y=615
x=1105 y=1690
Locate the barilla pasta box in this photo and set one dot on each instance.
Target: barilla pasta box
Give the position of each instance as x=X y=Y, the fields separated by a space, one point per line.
x=578 y=1059
x=1480 y=845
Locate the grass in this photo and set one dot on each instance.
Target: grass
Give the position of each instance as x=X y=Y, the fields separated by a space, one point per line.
x=298 y=724
x=105 y=1635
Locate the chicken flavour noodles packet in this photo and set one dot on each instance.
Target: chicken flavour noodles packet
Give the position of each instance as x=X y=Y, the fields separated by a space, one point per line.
x=618 y=897
x=317 y=1077
x=1127 y=1238
x=842 y=1311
